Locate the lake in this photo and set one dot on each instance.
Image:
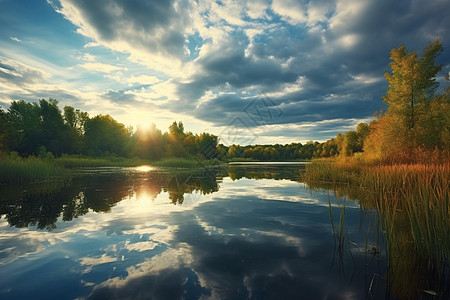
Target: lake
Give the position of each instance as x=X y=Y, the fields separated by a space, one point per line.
x=242 y=231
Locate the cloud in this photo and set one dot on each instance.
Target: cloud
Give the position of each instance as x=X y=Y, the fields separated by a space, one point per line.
x=99 y=67
x=91 y=44
x=15 y=39
x=143 y=79
x=293 y=11
x=225 y=256
x=152 y=31
x=19 y=74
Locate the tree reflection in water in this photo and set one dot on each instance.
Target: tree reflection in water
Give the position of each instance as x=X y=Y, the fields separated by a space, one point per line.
x=410 y=273
x=41 y=204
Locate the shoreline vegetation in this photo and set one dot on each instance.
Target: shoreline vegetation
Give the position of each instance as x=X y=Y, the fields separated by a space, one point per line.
x=413 y=204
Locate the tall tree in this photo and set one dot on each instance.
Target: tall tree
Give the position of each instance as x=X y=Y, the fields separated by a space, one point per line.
x=4 y=132
x=26 y=134
x=412 y=82
x=414 y=116
x=55 y=134
x=176 y=136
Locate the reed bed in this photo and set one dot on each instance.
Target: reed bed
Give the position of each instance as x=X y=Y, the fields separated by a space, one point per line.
x=414 y=207
x=19 y=170
x=80 y=161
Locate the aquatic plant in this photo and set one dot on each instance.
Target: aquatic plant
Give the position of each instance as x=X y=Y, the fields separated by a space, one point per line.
x=414 y=207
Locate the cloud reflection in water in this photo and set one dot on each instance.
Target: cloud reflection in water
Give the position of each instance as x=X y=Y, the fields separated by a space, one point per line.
x=249 y=239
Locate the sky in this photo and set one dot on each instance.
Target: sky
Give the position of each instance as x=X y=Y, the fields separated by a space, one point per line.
x=251 y=72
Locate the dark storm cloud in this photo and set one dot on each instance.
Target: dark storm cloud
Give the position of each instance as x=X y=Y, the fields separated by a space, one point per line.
x=259 y=110
x=352 y=73
x=229 y=66
x=153 y=26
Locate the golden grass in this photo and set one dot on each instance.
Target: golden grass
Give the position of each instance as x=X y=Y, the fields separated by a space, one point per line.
x=413 y=204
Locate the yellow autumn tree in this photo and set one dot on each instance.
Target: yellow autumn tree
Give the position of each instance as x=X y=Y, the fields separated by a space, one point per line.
x=416 y=116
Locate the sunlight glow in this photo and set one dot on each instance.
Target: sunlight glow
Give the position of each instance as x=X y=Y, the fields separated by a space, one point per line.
x=144 y=168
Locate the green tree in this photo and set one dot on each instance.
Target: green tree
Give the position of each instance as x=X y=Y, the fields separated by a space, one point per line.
x=362 y=131
x=104 y=135
x=25 y=121
x=207 y=145
x=175 y=147
x=147 y=142
x=75 y=120
x=4 y=132
x=55 y=134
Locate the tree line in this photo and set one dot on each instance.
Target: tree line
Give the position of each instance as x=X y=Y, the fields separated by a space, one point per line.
x=417 y=118
x=42 y=128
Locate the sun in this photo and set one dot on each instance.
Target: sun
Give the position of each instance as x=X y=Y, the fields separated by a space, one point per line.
x=144 y=130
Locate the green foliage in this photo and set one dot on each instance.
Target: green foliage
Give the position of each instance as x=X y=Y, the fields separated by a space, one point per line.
x=412 y=82
x=287 y=152
x=148 y=142
x=105 y=136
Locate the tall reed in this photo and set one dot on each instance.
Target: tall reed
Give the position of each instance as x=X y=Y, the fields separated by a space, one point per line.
x=21 y=170
x=414 y=207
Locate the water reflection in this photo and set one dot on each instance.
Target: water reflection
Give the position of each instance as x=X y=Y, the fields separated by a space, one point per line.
x=243 y=232
x=144 y=168
x=41 y=205
x=415 y=267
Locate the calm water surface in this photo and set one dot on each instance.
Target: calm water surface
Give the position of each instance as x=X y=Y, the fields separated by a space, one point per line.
x=240 y=232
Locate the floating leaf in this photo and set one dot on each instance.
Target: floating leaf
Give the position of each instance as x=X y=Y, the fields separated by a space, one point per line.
x=430 y=292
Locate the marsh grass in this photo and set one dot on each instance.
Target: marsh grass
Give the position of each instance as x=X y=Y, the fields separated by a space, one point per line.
x=414 y=207
x=15 y=169
x=75 y=161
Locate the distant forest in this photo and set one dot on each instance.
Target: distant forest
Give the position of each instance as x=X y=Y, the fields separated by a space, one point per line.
x=415 y=125
x=42 y=129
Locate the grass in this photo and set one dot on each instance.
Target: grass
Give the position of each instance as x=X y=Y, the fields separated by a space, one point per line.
x=75 y=161
x=414 y=207
x=21 y=170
